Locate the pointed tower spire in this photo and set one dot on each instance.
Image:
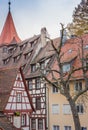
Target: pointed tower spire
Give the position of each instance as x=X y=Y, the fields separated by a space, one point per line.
x=9 y=3
x=9 y=34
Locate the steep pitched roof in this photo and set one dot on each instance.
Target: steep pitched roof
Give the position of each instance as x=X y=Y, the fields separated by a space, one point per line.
x=7 y=79
x=9 y=34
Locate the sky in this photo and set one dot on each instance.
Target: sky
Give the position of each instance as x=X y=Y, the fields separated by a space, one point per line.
x=31 y=15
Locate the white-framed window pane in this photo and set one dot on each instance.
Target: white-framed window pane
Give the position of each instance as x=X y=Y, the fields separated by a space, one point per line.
x=78 y=86
x=19 y=97
x=55 y=108
x=84 y=128
x=23 y=120
x=66 y=67
x=30 y=85
x=54 y=89
x=80 y=108
x=33 y=124
x=56 y=127
x=67 y=127
x=66 y=109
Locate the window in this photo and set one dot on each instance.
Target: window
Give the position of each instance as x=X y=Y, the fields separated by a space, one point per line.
x=5 y=50
x=10 y=118
x=80 y=108
x=6 y=61
x=67 y=127
x=19 y=97
x=84 y=128
x=23 y=120
x=33 y=68
x=40 y=124
x=78 y=86
x=66 y=68
x=38 y=83
x=54 y=89
x=30 y=85
x=31 y=43
x=56 y=127
x=55 y=108
x=33 y=124
x=38 y=103
x=66 y=109
x=42 y=65
x=86 y=47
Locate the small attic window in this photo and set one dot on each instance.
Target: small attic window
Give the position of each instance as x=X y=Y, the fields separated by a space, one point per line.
x=27 y=55
x=70 y=51
x=33 y=67
x=23 y=46
x=6 y=61
x=31 y=43
x=86 y=47
x=5 y=50
x=66 y=67
x=17 y=58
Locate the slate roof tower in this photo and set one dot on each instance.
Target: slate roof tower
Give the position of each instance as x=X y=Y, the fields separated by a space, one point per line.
x=9 y=34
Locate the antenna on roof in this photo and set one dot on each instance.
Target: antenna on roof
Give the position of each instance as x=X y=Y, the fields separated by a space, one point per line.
x=9 y=3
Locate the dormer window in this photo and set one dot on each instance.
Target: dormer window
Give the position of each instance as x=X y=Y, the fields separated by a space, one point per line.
x=27 y=55
x=42 y=65
x=66 y=67
x=23 y=46
x=6 y=61
x=10 y=51
x=33 y=67
x=70 y=51
x=31 y=43
x=5 y=50
x=86 y=47
x=17 y=58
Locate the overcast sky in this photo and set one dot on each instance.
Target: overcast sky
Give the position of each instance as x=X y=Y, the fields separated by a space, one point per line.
x=31 y=15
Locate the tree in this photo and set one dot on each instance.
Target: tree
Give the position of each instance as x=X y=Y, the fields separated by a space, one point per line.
x=63 y=79
x=79 y=24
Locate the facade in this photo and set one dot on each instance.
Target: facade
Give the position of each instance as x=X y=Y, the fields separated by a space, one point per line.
x=50 y=110
x=60 y=115
x=15 y=100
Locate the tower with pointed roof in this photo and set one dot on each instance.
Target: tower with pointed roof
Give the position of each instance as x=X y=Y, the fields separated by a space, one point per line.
x=9 y=34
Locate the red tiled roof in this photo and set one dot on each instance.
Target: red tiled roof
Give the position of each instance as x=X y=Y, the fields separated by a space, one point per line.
x=9 y=34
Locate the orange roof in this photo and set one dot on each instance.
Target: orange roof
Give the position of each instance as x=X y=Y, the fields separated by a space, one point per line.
x=9 y=33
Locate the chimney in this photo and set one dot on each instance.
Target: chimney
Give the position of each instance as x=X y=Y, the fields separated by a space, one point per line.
x=65 y=37
x=43 y=36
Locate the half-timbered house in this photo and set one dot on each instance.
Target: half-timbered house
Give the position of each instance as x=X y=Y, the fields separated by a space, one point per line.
x=15 y=100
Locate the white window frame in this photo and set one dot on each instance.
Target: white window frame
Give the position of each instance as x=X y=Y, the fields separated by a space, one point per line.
x=66 y=67
x=56 y=127
x=84 y=128
x=66 y=109
x=80 y=108
x=55 y=109
x=77 y=86
x=19 y=97
x=30 y=84
x=54 y=88
x=23 y=120
x=67 y=128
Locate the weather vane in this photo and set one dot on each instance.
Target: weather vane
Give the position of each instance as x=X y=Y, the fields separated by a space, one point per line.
x=9 y=3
